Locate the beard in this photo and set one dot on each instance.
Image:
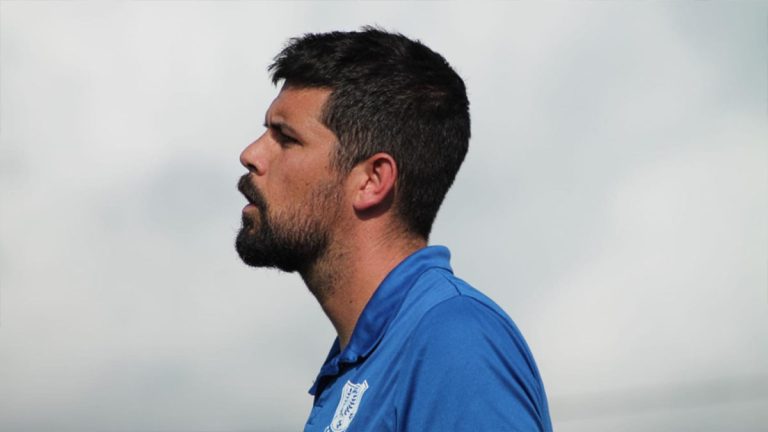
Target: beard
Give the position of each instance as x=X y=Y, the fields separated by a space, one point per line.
x=291 y=240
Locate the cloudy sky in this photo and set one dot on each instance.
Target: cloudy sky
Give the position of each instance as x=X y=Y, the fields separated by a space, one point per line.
x=614 y=202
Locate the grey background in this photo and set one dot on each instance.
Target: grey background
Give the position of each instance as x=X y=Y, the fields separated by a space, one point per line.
x=614 y=202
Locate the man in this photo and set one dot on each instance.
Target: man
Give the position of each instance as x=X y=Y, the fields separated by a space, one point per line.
x=361 y=145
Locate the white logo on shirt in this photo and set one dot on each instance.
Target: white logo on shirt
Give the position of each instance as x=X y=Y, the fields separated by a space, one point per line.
x=351 y=395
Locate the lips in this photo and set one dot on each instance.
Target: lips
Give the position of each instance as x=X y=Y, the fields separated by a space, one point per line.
x=250 y=192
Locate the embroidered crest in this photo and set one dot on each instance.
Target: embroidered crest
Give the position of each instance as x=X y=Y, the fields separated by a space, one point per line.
x=351 y=395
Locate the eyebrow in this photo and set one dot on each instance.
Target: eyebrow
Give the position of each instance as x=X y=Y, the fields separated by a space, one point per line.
x=281 y=127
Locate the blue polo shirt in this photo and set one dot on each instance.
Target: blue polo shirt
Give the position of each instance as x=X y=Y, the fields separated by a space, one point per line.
x=429 y=353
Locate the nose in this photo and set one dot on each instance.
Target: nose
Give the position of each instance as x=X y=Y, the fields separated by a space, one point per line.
x=253 y=158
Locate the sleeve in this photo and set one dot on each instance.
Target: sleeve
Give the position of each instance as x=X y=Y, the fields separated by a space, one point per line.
x=468 y=368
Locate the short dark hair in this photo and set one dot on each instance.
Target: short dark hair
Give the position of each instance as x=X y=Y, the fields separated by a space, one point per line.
x=388 y=94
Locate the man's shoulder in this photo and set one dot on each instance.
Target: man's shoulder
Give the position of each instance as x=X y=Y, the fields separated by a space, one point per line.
x=448 y=315
x=465 y=315
x=446 y=296
x=465 y=344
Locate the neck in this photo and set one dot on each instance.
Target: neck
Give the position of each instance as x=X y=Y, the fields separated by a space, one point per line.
x=345 y=277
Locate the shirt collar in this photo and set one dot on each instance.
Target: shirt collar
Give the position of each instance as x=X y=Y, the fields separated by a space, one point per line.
x=382 y=308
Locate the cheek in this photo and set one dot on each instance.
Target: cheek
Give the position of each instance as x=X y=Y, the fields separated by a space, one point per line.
x=304 y=178
x=300 y=177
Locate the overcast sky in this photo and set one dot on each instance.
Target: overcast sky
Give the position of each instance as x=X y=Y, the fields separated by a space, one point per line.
x=614 y=202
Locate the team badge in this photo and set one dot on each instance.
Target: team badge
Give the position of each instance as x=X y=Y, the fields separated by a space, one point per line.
x=351 y=395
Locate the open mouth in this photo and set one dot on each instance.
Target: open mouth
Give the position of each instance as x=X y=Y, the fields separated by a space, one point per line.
x=249 y=192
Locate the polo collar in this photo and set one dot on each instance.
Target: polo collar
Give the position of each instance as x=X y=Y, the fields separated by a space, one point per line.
x=382 y=308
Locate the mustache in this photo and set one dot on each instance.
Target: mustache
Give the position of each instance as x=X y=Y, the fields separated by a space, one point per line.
x=251 y=193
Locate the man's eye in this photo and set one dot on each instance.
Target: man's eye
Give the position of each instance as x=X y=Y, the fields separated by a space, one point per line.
x=284 y=139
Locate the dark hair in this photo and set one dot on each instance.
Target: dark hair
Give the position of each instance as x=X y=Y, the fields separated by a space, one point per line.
x=388 y=94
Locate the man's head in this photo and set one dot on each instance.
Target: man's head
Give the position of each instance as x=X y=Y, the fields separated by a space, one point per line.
x=379 y=94
x=388 y=94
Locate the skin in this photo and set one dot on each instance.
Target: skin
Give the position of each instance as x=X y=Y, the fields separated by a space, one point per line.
x=288 y=163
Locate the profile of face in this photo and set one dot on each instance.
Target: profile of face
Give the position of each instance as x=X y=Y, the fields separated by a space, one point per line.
x=294 y=194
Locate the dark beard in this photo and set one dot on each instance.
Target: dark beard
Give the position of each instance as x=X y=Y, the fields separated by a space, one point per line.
x=289 y=248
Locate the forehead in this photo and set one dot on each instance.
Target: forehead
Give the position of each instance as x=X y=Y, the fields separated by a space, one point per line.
x=298 y=107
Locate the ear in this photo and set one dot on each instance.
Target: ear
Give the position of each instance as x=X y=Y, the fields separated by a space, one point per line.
x=374 y=181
